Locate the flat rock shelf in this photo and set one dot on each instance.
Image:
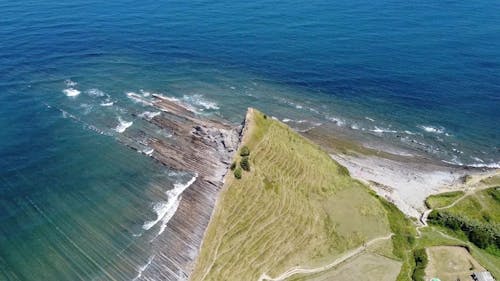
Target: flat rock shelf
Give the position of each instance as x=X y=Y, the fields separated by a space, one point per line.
x=204 y=148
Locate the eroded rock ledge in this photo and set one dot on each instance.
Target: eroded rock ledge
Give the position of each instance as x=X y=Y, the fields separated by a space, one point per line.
x=200 y=146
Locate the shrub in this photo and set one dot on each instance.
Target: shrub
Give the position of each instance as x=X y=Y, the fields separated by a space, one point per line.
x=237 y=173
x=245 y=163
x=483 y=235
x=233 y=166
x=245 y=151
x=420 y=257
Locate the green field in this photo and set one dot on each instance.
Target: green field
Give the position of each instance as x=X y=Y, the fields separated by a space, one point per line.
x=483 y=206
x=473 y=222
x=295 y=207
x=442 y=199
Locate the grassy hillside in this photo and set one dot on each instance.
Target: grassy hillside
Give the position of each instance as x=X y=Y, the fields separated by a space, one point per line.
x=295 y=207
x=474 y=222
x=483 y=206
x=442 y=199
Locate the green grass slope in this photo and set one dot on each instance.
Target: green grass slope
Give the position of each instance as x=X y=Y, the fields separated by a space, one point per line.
x=442 y=199
x=474 y=222
x=295 y=207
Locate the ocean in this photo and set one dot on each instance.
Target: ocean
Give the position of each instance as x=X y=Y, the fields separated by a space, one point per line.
x=76 y=204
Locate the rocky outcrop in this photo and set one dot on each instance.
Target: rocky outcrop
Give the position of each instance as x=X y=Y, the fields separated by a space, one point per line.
x=199 y=146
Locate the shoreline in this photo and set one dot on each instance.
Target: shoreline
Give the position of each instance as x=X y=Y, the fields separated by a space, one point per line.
x=405 y=180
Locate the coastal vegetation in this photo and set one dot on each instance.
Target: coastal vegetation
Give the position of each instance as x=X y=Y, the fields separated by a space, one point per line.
x=477 y=217
x=421 y=261
x=442 y=199
x=471 y=222
x=297 y=208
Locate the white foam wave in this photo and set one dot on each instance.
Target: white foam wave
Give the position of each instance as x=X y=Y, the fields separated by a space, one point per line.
x=95 y=92
x=286 y=120
x=477 y=159
x=143 y=268
x=432 y=129
x=370 y=119
x=382 y=130
x=454 y=161
x=149 y=115
x=138 y=99
x=166 y=210
x=291 y=103
x=148 y=151
x=200 y=102
x=123 y=125
x=71 y=92
x=409 y=132
x=336 y=120
x=107 y=103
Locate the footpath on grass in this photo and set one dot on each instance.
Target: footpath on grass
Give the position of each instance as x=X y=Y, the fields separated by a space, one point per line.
x=351 y=254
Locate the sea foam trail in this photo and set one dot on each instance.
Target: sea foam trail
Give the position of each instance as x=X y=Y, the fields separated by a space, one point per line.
x=148 y=115
x=143 y=268
x=138 y=99
x=200 y=101
x=166 y=210
x=123 y=125
x=432 y=129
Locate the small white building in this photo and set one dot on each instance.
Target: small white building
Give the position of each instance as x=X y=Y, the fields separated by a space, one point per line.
x=482 y=276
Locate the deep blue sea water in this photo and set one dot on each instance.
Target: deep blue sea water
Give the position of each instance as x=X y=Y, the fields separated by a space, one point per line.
x=419 y=75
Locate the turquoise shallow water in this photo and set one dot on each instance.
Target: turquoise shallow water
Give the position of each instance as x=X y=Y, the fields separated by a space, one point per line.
x=74 y=200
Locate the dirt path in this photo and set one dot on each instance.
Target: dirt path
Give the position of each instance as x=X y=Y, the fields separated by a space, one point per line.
x=469 y=190
x=298 y=270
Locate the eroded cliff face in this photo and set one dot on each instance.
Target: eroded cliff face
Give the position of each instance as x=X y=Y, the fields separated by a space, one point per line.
x=199 y=146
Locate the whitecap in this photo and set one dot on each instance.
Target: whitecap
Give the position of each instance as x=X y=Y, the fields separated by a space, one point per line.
x=337 y=121
x=148 y=151
x=382 y=130
x=149 y=115
x=175 y=195
x=370 y=119
x=477 y=159
x=354 y=127
x=166 y=210
x=71 y=92
x=95 y=92
x=200 y=101
x=123 y=125
x=291 y=103
x=138 y=99
x=160 y=209
x=107 y=103
x=432 y=129
x=409 y=132
x=286 y=120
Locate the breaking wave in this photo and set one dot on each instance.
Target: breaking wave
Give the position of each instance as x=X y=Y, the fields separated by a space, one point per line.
x=166 y=210
x=149 y=115
x=71 y=92
x=138 y=99
x=432 y=129
x=123 y=125
x=200 y=102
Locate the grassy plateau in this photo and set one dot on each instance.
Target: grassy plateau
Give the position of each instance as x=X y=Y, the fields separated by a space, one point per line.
x=293 y=206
